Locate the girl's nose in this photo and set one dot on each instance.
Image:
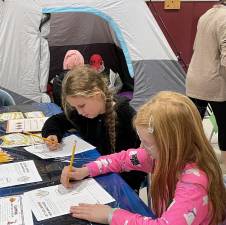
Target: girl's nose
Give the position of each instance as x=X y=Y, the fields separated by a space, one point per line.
x=80 y=111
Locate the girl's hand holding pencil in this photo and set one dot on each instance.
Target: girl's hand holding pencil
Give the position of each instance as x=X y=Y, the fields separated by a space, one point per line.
x=68 y=174
x=52 y=142
x=72 y=173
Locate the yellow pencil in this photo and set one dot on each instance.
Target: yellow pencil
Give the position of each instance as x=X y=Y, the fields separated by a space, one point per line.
x=4 y=157
x=72 y=157
x=35 y=135
x=5 y=160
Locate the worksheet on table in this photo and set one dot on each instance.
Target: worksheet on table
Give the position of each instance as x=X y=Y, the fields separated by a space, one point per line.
x=15 y=210
x=65 y=148
x=56 y=200
x=17 y=173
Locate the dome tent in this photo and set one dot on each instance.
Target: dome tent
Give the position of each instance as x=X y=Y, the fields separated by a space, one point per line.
x=126 y=26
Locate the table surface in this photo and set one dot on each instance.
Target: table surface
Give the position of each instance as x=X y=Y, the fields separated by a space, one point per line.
x=50 y=171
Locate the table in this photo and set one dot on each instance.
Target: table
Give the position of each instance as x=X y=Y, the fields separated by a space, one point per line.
x=50 y=171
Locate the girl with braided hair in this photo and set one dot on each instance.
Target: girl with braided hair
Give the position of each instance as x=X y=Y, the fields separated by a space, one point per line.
x=99 y=118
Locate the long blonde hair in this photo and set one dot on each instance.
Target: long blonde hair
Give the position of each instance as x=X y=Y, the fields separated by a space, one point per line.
x=179 y=134
x=84 y=81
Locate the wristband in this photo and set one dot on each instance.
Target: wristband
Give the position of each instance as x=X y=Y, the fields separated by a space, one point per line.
x=110 y=215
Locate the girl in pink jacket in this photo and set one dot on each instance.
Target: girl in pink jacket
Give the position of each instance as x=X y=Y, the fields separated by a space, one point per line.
x=186 y=182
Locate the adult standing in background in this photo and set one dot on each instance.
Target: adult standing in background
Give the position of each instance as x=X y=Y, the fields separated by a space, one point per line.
x=206 y=77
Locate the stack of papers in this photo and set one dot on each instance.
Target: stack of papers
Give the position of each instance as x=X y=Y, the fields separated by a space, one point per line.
x=54 y=201
x=65 y=149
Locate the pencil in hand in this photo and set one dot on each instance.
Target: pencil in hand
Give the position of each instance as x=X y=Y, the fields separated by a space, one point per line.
x=72 y=158
x=37 y=136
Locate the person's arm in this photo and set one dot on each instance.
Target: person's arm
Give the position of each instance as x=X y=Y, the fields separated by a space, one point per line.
x=132 y=159
x=56 y=125
x=126 y=134
x=189 y=206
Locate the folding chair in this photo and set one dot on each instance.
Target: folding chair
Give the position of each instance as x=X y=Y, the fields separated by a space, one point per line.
x=213 y=122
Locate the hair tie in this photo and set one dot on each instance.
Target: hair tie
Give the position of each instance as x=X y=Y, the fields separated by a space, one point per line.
x=151 y=125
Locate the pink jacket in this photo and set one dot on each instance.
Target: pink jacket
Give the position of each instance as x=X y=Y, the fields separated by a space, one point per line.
x=190 y=203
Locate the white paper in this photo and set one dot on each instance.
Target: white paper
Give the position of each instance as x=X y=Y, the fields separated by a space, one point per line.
x=15 y=210
x=11 y=115
x=65 y=149
x=34 y=114
x=49 y=202
x=24 y=172
x=25 y=125
x=19 y=139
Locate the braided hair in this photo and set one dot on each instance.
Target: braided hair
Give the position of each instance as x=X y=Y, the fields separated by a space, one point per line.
x=85 y=81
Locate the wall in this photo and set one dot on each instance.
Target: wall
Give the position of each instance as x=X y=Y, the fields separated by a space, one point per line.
x=179 y=26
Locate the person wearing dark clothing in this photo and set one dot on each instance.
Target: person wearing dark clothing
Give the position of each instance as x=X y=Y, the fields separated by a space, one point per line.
x=94 y=130
x=72 y=59
x=99 y=119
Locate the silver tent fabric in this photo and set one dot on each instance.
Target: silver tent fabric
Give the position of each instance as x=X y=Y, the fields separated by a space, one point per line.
x=20 y=55
x=152 y=76
x=1 y=10
x=130 y=25
x=87 y=29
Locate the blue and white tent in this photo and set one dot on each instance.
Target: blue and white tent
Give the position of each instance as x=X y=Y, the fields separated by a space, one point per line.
x=123 y=31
